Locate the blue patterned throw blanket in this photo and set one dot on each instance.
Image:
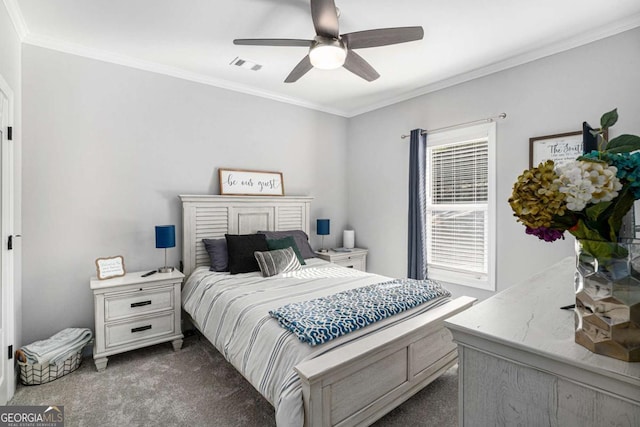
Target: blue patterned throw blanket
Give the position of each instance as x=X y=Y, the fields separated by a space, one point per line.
x=323 y=319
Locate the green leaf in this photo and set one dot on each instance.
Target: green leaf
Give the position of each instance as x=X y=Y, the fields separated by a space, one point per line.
x=624 y=144
x=564 y=222
x=603 y=251
x=596 y=245
x=582 y=232
x=592 y=160
x=593 y=212
x=609 y=119
x=623 y=204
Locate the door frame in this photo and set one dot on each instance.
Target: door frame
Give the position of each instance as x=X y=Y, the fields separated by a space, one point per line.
x=7 y=192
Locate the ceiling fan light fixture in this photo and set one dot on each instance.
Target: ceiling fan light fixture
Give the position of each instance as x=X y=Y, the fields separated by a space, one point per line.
x=331 y=50
x=328 y=55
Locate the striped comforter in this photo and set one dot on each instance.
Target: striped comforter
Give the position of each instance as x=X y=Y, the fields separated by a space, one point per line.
x=233 y=313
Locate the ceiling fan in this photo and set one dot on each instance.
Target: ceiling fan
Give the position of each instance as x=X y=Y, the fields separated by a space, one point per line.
x=329 y=49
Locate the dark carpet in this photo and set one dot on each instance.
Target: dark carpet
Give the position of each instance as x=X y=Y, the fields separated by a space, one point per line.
x=156 y=386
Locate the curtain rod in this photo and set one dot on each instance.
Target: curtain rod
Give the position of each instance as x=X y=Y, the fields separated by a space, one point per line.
x=487 y=120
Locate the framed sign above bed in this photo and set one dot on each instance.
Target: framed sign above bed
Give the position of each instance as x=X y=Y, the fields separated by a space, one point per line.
x=250 y=183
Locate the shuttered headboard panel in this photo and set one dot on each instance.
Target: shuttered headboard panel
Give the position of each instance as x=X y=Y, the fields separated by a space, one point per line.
x=211 y=217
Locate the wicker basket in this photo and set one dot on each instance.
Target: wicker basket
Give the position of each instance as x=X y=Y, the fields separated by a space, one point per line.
x=36 y=374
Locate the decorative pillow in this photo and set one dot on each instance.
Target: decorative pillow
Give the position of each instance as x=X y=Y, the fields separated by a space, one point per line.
x=300 y=237
x=217 y=250
x=278 y=261
x=285 y=242
x=241 y=248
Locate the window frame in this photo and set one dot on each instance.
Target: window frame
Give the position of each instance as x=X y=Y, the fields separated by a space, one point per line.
x=446 y=137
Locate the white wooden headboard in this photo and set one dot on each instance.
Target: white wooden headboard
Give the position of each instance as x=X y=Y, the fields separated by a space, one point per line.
x=211 y=217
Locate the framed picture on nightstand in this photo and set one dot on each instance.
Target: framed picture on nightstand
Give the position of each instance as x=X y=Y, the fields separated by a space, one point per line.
x=110 y=267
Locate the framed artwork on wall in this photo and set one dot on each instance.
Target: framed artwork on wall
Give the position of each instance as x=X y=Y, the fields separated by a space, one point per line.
x=561 y=148
x=241 y=182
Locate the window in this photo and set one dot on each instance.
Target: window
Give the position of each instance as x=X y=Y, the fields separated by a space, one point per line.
x=460 y=217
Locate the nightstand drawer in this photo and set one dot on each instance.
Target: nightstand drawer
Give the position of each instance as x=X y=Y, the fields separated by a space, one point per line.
x=128 y=332
x=356 y=258
x=135 y=303
x=351 y=263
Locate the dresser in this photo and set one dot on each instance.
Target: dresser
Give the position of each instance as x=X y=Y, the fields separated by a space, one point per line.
x=356 y=258
x=519 y=364
x=133 y=312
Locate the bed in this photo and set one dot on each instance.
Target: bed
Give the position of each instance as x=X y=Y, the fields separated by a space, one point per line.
x=352 y=380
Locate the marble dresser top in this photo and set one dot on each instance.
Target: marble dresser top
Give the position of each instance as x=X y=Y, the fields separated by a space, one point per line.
x=527 y=319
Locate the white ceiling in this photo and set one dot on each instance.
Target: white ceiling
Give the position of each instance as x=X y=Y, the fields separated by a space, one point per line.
x=192 y=39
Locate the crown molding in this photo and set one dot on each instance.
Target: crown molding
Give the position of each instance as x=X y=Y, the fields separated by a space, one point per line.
x=15 y=14
x=591 y=36
x=127 y=61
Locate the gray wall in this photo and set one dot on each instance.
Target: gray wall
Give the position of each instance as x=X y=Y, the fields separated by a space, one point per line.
x=107 y=151
x=548 y=96
x=10 y=69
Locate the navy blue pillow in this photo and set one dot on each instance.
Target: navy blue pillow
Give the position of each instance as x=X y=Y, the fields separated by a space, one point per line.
x=241 y=247
x=217 y=250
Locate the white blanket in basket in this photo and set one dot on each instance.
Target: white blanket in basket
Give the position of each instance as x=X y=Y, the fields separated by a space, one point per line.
x=59 y=347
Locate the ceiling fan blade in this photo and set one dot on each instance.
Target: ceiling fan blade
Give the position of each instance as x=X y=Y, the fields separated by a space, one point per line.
x=273 y=42
x=358 y=66
x=300 y=70
x=382 y=37
x=325 y=18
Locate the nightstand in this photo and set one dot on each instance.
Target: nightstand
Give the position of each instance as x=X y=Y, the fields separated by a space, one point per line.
x=133 y=312
x=357 y=258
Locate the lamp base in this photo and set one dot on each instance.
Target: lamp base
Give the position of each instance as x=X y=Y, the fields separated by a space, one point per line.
x=165 y=269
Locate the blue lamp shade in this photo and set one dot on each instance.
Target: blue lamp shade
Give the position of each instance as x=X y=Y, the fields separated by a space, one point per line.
x=165 y=236
x=322 y=227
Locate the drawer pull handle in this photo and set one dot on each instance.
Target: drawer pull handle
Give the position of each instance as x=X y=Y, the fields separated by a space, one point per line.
x=140 y=329
x=140 y=304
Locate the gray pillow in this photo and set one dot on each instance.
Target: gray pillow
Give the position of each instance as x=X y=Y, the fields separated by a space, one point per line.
x=300 y=237
x=217 y=250
x=277 y=262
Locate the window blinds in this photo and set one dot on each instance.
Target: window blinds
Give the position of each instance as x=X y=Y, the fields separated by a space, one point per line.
x=457 y=207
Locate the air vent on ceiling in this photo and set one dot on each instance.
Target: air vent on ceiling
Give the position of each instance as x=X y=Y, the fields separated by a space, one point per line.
x=245 y=63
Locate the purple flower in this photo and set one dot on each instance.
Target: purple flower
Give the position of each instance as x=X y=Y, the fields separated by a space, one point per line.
x=546 y=234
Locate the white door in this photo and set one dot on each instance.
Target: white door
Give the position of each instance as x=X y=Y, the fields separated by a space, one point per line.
x=7 y=373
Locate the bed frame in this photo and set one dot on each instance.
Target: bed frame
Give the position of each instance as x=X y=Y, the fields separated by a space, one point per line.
x=359 y=382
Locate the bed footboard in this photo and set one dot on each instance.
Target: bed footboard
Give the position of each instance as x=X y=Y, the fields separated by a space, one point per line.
x=361 y=381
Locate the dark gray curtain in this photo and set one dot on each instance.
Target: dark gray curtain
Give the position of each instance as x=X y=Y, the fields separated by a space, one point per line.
x=417 y=265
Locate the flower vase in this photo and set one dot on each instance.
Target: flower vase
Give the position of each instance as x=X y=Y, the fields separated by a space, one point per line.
x=607 y=282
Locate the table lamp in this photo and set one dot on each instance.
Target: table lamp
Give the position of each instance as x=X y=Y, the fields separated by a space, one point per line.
x=165 y=238
x=322 y=229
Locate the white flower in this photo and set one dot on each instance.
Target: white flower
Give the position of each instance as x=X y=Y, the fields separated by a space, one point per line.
x=587 y=182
